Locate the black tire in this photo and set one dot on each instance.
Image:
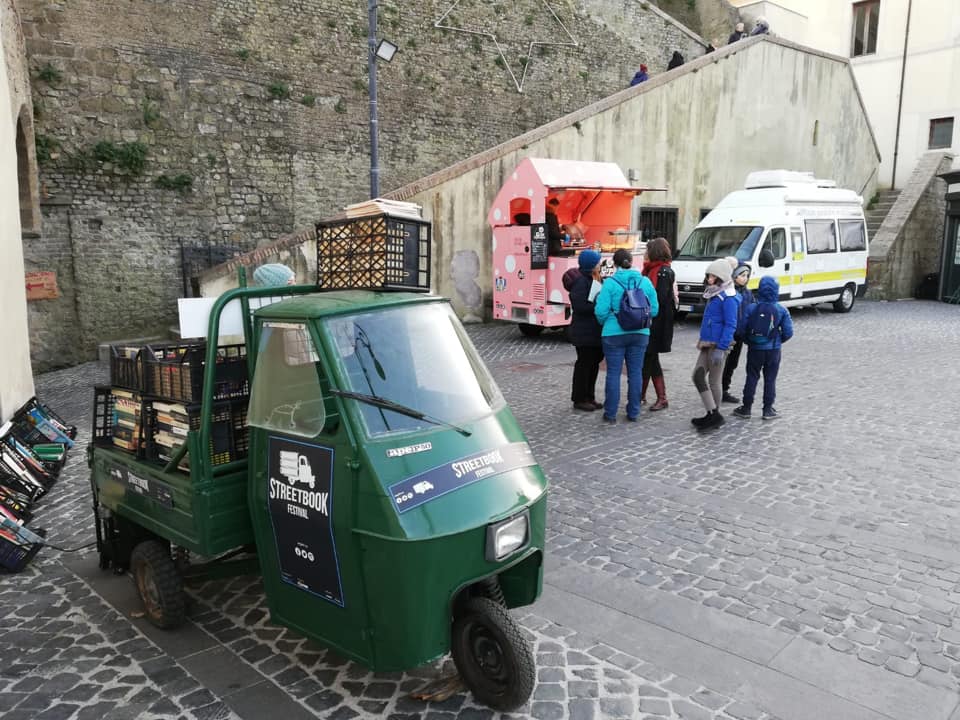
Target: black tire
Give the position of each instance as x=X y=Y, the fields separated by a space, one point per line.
x=159 y=585
x=492 y=655
x=528 y=330
x=844 y=303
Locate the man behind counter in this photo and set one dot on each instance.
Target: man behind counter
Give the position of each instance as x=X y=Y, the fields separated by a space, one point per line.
x=554 y=234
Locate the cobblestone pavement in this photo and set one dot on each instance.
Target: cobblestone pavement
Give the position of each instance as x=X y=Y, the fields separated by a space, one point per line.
x=828 y=534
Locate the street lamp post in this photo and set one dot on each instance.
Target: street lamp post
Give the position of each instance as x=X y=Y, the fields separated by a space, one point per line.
x=372 y=83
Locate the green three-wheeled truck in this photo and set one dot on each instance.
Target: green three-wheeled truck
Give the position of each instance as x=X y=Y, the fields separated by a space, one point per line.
x=388 y=496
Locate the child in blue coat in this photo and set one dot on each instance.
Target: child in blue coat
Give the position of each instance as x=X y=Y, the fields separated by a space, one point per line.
x=766 y=326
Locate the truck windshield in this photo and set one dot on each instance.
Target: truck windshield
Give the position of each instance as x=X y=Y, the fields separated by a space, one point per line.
x=417 y=356
x=710 y=243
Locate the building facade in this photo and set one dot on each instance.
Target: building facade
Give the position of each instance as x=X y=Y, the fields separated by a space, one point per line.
x=19 y=211
x=913 y=44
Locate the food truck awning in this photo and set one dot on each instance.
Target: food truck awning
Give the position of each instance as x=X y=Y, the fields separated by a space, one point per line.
x=535 y=179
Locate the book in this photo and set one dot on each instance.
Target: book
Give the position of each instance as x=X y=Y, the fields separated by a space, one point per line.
x=382 y=206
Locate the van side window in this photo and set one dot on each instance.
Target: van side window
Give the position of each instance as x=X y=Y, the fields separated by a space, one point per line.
x=796 y=239
x=776 y=243
x=852 y=236
x=821 y=236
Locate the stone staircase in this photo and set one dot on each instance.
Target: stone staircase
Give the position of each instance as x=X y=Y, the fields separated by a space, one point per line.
x=876 y=215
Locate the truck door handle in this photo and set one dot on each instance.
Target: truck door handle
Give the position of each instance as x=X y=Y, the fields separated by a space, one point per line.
x=786 y=266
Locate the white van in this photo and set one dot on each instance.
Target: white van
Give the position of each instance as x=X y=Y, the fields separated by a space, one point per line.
x=807 y=233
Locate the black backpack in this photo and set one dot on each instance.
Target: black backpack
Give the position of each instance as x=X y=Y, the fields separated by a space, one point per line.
x=762 y=324
x=635 y=311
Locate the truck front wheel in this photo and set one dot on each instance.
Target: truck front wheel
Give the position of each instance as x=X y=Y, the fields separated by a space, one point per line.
x=492 y=655
x=159 y=584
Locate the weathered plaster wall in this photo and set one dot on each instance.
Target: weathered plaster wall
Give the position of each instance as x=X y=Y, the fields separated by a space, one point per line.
x=697 y=131
x=909 y=242
x=259 y=110
x=16 y=377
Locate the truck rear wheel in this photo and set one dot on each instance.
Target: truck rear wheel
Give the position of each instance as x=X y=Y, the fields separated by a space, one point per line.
x=528 y=330
x=159 y=584
x=492 y=655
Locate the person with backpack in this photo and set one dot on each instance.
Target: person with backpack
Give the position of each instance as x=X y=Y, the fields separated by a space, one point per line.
x=656 y=267
x=584 y=330
x=741 y=276
x=716 y=336
x=766 y=326
x=625 y=307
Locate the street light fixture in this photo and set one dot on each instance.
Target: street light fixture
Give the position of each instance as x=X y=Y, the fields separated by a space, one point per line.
x=385 y=50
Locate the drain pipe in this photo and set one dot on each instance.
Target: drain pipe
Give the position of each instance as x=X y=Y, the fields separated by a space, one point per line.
x=903 y=73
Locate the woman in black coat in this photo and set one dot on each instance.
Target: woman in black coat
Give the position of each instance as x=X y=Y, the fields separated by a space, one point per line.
x=584 y=331
x=656 y=266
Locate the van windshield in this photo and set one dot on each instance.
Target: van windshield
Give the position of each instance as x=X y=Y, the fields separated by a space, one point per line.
x=415 y=356
x=710 y=243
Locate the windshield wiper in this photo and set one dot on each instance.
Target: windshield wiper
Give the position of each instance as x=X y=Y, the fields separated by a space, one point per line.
x=385 y=404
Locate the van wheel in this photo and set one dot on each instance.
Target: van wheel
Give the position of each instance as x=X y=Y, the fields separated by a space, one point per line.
x=844 y=303
x=492 y=655
x=528 y=330
x=158 y=584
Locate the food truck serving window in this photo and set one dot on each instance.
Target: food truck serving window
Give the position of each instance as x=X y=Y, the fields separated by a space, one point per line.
x=286 y=395
x=417 y=356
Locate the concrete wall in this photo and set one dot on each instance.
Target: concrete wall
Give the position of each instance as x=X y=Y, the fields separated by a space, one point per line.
x=201 y=85
x=16 y=377
x=932 y=74
x=908 y=244
x=697 y=130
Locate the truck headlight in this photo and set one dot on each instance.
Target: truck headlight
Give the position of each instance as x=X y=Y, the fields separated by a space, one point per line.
x=507 y=536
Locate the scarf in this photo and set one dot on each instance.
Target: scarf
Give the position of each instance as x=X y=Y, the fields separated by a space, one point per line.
x=712 y=291
x=652 y=269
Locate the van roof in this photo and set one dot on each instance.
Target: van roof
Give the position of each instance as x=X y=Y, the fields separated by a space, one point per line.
x=791 y=195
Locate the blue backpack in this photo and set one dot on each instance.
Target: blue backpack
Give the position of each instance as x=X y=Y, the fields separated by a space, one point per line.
x=762 y=325
x=635 y=311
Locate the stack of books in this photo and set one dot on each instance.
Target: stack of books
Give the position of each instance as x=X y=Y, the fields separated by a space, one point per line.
x=127 y=420
x=170 y=431
x=380 y=206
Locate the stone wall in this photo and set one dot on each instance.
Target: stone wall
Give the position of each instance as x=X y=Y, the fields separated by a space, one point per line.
x=909 y=243
x=235 y=122
x=18 y=211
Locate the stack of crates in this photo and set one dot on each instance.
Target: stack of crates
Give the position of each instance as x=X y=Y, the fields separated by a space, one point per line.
x=155 y=399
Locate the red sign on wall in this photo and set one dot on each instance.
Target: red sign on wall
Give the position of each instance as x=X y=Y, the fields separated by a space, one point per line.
x=42 y=285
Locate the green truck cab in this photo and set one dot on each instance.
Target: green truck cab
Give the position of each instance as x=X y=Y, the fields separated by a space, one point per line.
x=389 y=498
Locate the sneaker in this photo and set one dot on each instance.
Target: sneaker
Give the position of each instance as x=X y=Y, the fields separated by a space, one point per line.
x=585 y=406
x=633 y=419
x=770 y=413
x=611 y=420
x=598 y=406
x=742 y=412
x=714 y=420
x=728 y=398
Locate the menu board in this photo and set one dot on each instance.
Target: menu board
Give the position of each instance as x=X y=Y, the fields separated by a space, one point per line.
x=539 y=247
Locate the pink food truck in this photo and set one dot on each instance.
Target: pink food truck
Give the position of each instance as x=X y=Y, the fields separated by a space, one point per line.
x=546 y=213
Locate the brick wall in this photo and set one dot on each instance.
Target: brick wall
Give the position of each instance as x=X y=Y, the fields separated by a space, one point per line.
x=253 y=120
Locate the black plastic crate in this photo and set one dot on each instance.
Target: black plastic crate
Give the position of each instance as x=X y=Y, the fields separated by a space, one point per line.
x=229 y=434
x=108 y=432
x=377 y=252
x=126 y=367
x=102 y=415
x=34 y=403
x=176 y=372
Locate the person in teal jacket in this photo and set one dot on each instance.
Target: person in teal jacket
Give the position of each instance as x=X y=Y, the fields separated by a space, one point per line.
x=623 y=346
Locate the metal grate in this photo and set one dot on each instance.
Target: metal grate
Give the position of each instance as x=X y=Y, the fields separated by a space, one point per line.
x=195 y=258
x=658 y=222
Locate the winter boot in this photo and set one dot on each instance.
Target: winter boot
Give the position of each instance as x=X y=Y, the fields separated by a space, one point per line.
x=713 y=420
x=661 y=388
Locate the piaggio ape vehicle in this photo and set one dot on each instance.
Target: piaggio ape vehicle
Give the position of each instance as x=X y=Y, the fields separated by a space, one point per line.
x=591 y=204
x=389 y=497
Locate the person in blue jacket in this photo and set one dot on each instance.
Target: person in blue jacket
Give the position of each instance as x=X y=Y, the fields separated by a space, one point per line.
x=764 y=339
x=584 y=330
x=639 y=76
x=716 y=336
x=623 y=346
x=741 y=276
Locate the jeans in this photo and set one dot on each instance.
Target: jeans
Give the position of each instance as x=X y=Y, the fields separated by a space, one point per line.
x=585 y=371
x=767 y=362
x=618 y=349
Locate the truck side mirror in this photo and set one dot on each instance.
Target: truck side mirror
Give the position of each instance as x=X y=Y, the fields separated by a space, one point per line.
x=766 y=258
